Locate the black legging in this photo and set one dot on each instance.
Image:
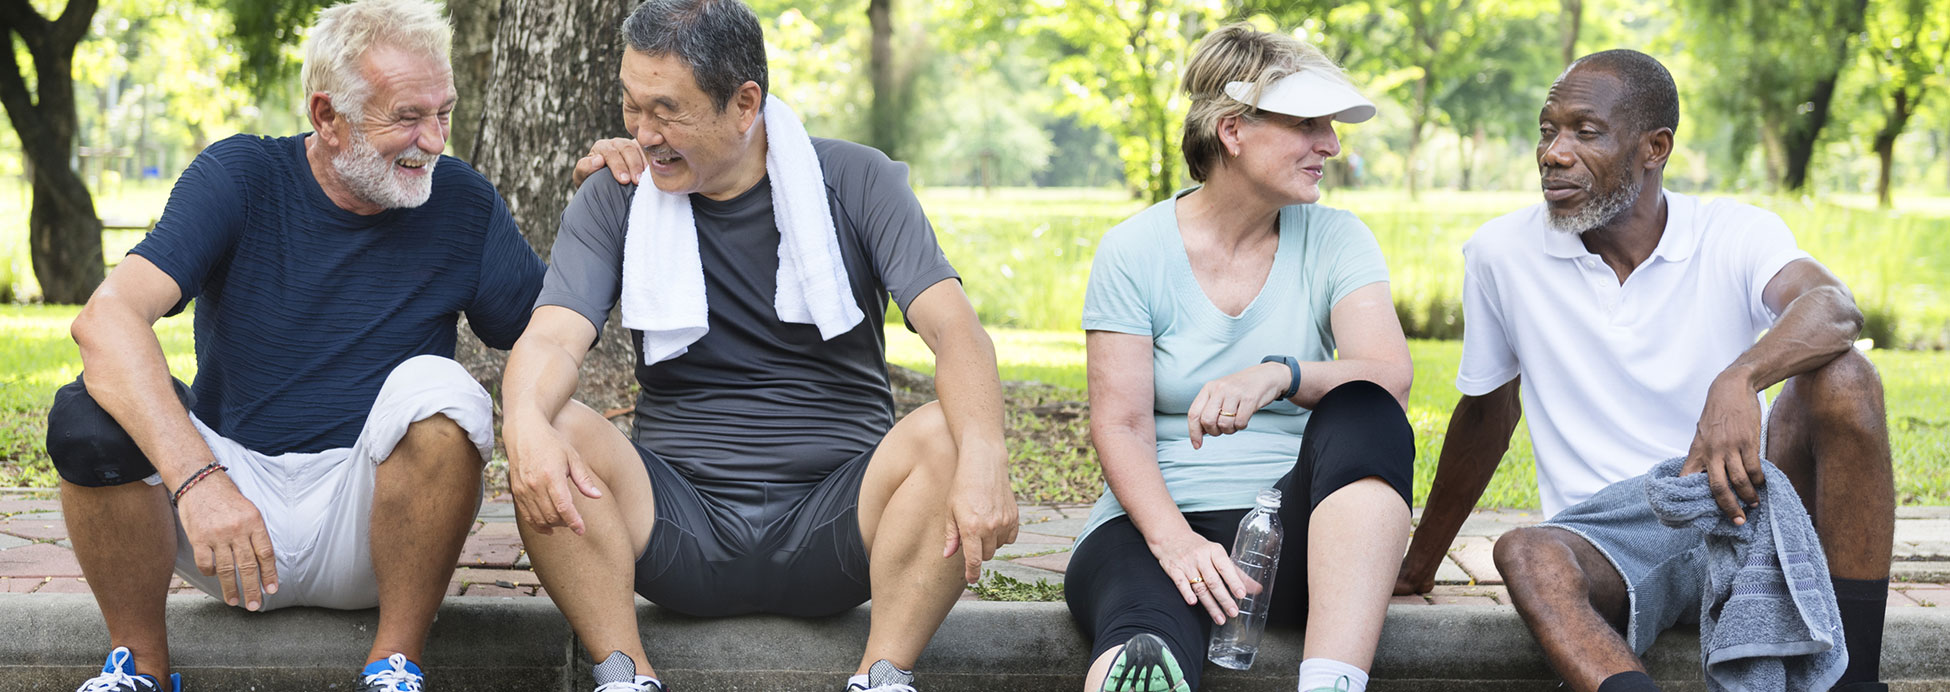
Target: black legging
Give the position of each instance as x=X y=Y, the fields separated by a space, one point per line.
x=1116 y=589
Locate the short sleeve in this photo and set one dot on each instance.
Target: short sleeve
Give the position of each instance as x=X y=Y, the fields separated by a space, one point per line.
x=1358 y=261
x=510 y=278
x=1763 y=250
x=1117 y=299
x=585 y=269
x=874 y=195
x=198 y=227
x=1489 y=360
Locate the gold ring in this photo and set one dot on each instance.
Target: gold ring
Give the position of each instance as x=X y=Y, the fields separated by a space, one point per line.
x=1197 y=580
x=1226 y=413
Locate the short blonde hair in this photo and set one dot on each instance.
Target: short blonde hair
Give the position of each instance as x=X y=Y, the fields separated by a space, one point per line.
x=345 y=32
x=1238 y=53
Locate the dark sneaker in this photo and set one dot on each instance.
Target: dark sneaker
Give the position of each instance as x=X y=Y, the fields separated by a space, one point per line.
x=884 y=676
x=393 y=674
x=1145 y=665
x=618 y=674
x=118 y=675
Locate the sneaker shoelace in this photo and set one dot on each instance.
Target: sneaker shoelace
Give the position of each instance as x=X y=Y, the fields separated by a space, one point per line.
x=115 y=680
x=396 y=677
x=650 y=685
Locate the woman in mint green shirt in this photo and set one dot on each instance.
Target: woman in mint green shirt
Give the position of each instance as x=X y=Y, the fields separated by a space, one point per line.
x=1214 y=320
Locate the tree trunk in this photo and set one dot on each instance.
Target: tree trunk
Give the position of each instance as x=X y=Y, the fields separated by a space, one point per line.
x=1885 y=142
x=1803 y=132
x=475 y=22
x=64 y=235
x=1569 y=21
x=551 y=91
x=885 y=114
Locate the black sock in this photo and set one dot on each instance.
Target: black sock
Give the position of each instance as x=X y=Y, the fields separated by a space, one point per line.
x=1862 y=602
x=1628 y=682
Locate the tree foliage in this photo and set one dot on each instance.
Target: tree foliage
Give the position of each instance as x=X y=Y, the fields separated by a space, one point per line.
x=1906 y=45
x=1774 y=64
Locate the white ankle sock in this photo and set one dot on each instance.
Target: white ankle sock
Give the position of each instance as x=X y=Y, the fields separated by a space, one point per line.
x=1316 y=673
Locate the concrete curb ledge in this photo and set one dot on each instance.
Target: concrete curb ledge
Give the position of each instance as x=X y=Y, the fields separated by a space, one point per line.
x=52 y=642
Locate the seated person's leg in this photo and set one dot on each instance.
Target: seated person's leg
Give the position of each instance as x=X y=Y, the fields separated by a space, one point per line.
x=1345 y=515
x=903 y=515
x=1117 y=591
x=1597 y=583
x=119 y=520
x=429 y=430
x=1828 y=432
x=592 y=576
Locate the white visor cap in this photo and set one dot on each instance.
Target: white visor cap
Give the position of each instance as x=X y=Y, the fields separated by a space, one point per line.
x=1307 y=94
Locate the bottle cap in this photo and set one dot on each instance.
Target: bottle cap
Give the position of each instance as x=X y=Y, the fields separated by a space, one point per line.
x=1268 y=498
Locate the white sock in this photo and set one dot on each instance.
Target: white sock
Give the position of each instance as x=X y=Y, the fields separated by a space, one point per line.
x=1316 y=673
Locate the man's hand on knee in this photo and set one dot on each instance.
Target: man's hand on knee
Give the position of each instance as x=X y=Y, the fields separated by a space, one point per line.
x=541 y=468
x=981 y=512
x=228 y=537
x=1727 y=446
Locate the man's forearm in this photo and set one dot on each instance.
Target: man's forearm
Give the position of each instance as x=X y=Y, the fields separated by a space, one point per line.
x=1818 y=326
x=971 y=396
x=1478 y=435
x=538 y=381
x=125 y=372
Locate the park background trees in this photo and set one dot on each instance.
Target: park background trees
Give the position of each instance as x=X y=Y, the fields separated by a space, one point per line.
x=1801 y=97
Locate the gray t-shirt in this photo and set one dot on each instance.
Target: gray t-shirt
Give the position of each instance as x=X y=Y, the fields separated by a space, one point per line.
x=757 y=400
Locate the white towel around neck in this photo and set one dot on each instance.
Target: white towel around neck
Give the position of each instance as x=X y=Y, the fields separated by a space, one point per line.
x=663 y=278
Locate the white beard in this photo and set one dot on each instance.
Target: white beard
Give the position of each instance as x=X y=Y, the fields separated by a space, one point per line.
x=372 y=178
x=1601 y=211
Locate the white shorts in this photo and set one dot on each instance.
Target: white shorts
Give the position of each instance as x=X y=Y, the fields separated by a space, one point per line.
x=317 y=506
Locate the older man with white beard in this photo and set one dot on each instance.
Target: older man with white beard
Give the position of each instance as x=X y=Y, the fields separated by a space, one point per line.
x=330 y=451
x=1632 y=325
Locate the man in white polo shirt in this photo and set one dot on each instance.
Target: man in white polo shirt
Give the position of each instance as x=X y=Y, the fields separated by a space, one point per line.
x=1634 y=317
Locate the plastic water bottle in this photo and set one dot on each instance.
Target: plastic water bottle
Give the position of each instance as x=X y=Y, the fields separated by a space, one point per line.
x=1256 y=552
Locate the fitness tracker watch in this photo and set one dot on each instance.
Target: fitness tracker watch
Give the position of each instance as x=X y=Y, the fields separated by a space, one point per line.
x=1293 y=365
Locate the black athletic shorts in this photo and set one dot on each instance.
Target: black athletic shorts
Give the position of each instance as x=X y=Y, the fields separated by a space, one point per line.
x=734 y=548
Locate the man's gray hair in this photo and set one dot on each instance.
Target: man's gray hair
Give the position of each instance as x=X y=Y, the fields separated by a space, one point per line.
x=345 y=32
x=720 y=41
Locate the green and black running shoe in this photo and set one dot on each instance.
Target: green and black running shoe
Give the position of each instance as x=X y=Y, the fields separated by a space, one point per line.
x=1145 y=665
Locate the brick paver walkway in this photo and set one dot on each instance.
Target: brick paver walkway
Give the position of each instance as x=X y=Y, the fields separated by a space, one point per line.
x=35 y=556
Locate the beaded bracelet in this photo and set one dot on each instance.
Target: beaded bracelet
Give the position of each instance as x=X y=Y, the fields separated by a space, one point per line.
x=199 y=475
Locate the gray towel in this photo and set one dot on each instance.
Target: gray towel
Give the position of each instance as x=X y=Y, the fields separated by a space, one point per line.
x=1768 y=619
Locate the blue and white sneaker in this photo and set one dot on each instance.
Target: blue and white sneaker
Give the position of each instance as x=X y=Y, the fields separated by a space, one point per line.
x=118 y=675
x=394 y=674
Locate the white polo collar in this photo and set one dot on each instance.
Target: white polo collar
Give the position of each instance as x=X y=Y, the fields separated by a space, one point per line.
x=1676 y=242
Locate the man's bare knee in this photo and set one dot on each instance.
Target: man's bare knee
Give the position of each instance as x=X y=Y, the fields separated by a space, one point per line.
x=929 y=442
x=1543 y=557
x=1524 y=552
x=435 y=434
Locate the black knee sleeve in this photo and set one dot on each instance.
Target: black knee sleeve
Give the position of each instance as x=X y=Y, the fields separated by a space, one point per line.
x=1356 y=431
x=88 y=447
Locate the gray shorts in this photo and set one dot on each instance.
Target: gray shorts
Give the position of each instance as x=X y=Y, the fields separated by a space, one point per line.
x=721 y=549
x=1664 y=568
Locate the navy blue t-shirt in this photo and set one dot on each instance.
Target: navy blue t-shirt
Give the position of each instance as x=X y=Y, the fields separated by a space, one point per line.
x=303 y=308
